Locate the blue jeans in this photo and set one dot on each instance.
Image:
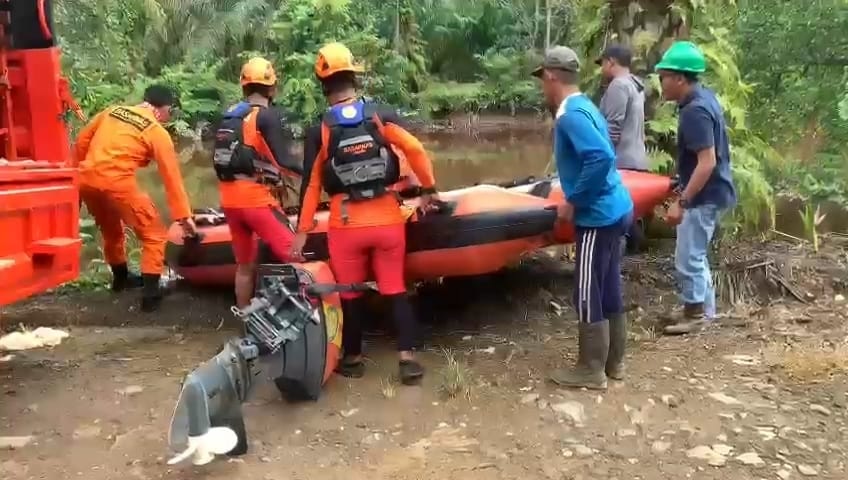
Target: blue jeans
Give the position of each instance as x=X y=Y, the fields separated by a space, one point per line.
x=694 y=278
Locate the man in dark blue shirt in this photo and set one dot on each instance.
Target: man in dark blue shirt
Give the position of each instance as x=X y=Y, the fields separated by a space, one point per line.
x=706 y=183
x=600 y=207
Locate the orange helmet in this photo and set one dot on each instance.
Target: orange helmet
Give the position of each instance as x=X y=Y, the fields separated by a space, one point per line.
x=258 y=70
x=334 y=58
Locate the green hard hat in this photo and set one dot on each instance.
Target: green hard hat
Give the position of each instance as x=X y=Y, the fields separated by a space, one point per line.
x=683 y=56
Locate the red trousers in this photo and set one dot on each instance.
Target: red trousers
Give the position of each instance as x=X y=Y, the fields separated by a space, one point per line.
x=355 y=252
x=268 y=223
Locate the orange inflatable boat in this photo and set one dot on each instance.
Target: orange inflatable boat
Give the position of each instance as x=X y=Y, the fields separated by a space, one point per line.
x=482 y=229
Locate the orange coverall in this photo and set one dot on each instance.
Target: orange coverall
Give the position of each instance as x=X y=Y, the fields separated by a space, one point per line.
x=109 y=150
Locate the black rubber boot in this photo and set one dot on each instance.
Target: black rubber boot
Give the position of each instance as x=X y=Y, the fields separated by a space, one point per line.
x=122 y=279
x=151 y=293
x=593 y=350
x=617 y=346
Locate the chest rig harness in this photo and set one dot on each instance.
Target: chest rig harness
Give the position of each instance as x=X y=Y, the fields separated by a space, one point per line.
x=236 y=155
x=360 y=164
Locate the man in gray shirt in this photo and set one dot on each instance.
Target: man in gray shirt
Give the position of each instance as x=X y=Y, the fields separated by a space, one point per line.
x=623 y=105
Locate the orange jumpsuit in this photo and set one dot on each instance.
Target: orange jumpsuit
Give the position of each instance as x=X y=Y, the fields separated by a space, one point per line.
x=109 y=150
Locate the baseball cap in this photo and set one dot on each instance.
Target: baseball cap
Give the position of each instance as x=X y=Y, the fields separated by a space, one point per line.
x=560 y=58
x=619 y=53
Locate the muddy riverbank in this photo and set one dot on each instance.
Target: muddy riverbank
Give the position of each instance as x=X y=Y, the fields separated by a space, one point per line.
x=761 y=395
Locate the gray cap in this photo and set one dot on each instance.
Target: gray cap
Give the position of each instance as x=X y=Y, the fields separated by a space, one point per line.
x=560 y=58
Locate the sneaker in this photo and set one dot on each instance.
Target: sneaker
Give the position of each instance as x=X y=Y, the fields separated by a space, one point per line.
x=689 y=320
x=351 y=369
x=410 y=372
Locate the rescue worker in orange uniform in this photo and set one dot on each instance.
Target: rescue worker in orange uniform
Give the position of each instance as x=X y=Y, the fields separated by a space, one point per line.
x=312 y=145
x=109 y=150
x=252 y=152
x=356 y=164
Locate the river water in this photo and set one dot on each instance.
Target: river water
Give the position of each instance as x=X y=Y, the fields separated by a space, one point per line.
x=460 y=159
x=500 y=150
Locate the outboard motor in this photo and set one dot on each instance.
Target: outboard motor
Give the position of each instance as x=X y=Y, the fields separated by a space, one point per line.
x=292 y=335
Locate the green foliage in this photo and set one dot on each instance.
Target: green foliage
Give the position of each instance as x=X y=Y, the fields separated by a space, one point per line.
x=299 y=31
x=824 y=179
x=783 y=84
x=796 y=53
x=660 y=161
x=506 y=79
x=442 y=98
x=505 y=85
x=843 y=108
x=112 y=48
x=201 y=92
x=797 y=61
x=812 y=218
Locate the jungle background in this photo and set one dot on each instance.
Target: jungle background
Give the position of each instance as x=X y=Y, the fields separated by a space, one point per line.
x=762 y=394
x=780 y=68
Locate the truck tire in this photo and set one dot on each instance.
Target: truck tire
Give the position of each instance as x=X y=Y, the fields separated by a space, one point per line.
x=26 y=28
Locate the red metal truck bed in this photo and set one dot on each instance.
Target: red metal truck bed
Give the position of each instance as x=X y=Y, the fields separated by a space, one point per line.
x=39 y=230
x=39 y=196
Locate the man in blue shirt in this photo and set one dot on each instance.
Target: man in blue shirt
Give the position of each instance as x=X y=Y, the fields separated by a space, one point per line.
x=706 y=183
x=601 y=209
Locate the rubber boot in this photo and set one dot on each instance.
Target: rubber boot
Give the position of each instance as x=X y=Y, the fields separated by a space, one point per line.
x=693 y=320
x=617 y=346
x=122 y=279
x=593 y=344
x=151 y=293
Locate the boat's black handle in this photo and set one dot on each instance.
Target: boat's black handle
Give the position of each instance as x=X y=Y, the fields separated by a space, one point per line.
x=410 y=192
x=191 y=254
x=441 y=207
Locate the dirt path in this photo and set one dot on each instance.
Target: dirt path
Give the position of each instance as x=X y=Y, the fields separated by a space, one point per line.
x=761 y=397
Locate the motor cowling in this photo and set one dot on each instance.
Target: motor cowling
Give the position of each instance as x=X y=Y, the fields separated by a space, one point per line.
x=292 y=335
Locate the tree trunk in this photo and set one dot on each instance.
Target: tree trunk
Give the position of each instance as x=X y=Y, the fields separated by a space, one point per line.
x=648 y=27
x=397 y=26
x=536 y=23
x=547 y=24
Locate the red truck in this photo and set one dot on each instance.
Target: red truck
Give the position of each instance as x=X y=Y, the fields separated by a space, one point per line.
x=39 y=196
